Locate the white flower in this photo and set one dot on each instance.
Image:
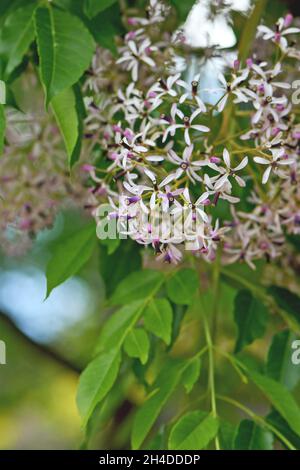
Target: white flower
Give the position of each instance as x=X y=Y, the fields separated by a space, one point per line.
x=273 y=163
x=281 y=30
x=135 y=54
x=229 y=171
x=187 y=124
x=185 y=165
x=192 y=91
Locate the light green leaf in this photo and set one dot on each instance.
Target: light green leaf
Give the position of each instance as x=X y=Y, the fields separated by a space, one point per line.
x=138 y=285
x=280 y=397
x=96 y=381
x=69 y=121
x=250 y=436
x=191 y=374
x=16 y=36
x=158 y=318
x=93 y=7
x=70 y=255
x=163 y=388
x=193 y=431
x=279 y=364
x=65 y=49
x=137 y=344
x=250 y=28
x=119 y=325
x=182 y=286
x=251 y=317
x=2 y=128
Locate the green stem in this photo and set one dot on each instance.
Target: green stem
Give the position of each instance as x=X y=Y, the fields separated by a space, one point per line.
x=258 y=419
x=211 y=373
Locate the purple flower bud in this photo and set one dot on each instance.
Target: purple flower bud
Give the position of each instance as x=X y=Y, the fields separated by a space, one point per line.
x=296 y=135
x=236 y=64
x=288 y=20
x=86 y=167
x=152 y=94
x=277 y=36
x=249 y=62
x=280 y=107
x=131 y=21
x=133 y=199
x=206 y=202
x=128 y=134
x=116 y=128
x=214 y=159
x=130 y=35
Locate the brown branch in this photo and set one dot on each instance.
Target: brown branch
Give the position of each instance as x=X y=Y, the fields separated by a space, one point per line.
x=43 y=350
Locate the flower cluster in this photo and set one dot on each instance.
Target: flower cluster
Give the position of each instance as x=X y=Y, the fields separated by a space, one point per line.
x=35 y=181
x=159 y=148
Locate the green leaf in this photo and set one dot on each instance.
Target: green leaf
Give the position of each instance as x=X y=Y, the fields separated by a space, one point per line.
x=250 y=29
x=138 y=285
x=65 y=49
x=137 y=344
x=93 y=7
x=2 y=128
x=280 y=397
x=286 y=300
x=182 y=286
x=279 y=364
x=69 y=121
x=16 y=36
x=250 y=436
x=282 y=426
x=251 y=316
x=191 y=374
x=226 y=434
x=158 y=318
x=70 y=255
x=183 y=8
x=193 y=431
x=106 y=26
x=119 y=325
x=164 y=386
x=116 y=266
x=96 y=381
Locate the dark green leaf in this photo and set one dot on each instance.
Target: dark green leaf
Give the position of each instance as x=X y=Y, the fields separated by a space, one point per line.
x=286 y=300
x=70 y=255
x=16 y=36
x=250 y=436
x=93 y=7
x=123 y=261
x=227 y=433
x=182 y=286
x=251 y=316
x=282 y=426
x=65 y=49
x=69 y=121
